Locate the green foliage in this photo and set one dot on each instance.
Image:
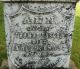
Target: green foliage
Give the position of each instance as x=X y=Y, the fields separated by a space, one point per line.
x=3 y=54
x=76 y=38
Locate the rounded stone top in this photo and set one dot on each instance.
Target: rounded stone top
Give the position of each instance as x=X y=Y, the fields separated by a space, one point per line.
x=41 y=0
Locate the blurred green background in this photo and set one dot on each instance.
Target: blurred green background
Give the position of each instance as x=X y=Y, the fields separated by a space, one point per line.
x=3 y=54
x=76 y=37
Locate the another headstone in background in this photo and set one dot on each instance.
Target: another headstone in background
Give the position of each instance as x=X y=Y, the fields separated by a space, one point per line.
x=39 y=33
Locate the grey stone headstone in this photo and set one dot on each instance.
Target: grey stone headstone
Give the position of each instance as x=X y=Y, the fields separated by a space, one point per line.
x=39 y=34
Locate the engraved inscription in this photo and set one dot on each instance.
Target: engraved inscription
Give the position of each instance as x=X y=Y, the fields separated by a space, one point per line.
x=39 y=34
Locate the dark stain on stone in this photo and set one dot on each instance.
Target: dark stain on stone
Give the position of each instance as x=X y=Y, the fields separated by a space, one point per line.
x=24 y=67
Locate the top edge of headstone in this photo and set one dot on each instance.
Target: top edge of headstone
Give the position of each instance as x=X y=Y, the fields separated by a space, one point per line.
x=40 y=0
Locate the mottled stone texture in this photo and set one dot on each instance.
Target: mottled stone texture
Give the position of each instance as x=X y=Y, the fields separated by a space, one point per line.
x=39 y=35
x=4 y=65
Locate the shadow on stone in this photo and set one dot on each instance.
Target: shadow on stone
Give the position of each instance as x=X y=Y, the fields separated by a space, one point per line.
x=41 y=68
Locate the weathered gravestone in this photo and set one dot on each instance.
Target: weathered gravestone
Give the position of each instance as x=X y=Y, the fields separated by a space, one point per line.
x=39 y=33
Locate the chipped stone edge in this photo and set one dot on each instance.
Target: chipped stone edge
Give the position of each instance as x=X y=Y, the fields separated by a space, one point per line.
x=65 y=1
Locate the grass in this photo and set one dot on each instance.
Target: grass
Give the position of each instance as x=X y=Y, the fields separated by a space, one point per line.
x=2 y=36
x=76 y=38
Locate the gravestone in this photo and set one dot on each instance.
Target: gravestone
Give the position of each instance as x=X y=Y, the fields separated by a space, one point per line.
x=39 y=33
